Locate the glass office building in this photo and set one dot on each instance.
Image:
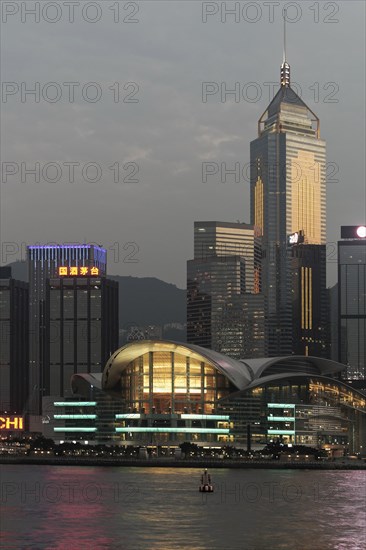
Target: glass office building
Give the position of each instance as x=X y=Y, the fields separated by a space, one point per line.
x=288 y=195
x=352 y=302
x=310 y=334
x=224 y=239
x=14 y=325
x=81 y=329
x=225 y=310
x=43 y=264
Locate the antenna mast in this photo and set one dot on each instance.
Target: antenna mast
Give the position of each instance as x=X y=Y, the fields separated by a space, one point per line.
x=284 y=35
x=285 y=67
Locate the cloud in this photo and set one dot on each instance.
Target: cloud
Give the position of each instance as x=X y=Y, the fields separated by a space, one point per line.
x=169 y=132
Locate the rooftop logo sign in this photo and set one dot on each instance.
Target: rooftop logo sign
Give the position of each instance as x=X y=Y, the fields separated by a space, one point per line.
x=296 y=238
x=76 y=271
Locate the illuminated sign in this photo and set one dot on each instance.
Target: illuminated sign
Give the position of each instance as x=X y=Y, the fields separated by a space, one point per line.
x=353 y=232
x=75 y=271
x=11 y=423
x=296 y=238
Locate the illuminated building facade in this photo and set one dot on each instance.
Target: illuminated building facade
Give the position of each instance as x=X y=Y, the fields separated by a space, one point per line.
x=309 y=300
x=224 y=240
x=288 y=196
x=14 y=325
x=299 y=409
x=43 y=264
x=352 y=301
x=225 y=309
x=81 y=328
x=165 y=393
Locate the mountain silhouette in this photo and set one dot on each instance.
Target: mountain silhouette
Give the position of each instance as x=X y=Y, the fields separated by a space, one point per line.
x=142 y=300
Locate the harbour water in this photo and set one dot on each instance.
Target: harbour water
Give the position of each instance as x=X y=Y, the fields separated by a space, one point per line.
x=72 y=508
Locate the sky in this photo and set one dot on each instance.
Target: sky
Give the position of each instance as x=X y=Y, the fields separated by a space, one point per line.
x=118 y=128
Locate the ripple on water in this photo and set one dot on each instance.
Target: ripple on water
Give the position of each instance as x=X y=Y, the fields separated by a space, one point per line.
x=161 y=509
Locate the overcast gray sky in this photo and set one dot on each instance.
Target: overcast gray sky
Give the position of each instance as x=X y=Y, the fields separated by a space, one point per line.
x=169 y=131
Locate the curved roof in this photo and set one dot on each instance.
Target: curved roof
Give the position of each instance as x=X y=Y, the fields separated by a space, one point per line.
x=292 y=363
x=287 y=375
x=231 y=368
x=241 y=374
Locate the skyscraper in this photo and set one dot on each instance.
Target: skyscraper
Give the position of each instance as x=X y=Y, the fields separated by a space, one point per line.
x=14 y=324
x=332 y=301
x=225 y=239
x=352 y=301
x=288 y=188
x=81 y=327
x=43 y=264
x=224 y=307
x=310 y=332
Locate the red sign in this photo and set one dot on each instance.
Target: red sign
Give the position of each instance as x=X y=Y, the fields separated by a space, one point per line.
x=11 y=423
x=77 y=271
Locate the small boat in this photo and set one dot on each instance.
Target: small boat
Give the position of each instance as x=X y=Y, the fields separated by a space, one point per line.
x=206 y=484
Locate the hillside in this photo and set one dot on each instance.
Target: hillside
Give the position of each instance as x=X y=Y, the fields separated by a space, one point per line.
x=142 y=300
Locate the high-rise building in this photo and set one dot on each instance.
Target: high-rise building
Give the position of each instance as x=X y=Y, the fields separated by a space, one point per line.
x=82 y=328
x=43 y=264
x=225 y=239
x=309 y=300
x=14 y=333
x=333 y=321
x=352 y=301
x=224 y=313
x=288 y=195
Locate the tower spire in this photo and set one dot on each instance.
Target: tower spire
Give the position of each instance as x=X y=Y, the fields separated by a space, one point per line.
x=285 y=67
x=284 y=35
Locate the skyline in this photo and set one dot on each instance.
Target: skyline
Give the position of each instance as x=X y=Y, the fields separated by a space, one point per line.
x=174 y=206
x=171 y=131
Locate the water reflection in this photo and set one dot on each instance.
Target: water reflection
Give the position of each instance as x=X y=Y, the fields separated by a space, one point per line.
x=161 y=508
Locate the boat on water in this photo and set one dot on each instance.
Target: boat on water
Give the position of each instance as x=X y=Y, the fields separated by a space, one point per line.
x=206 y=483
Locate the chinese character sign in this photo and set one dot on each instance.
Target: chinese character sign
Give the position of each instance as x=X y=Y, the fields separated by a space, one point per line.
x=78 y=271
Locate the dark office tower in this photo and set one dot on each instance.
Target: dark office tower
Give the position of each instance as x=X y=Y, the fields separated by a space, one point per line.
x=223 y=311
x=287 y=196
x=14 y=331
x=309 y=300
x=333 y=322
x=352 y=301
x=44 y=263
x=82 y=321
